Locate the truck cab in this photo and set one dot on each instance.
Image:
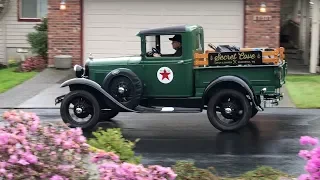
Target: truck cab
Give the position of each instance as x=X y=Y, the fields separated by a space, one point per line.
x=169 y=75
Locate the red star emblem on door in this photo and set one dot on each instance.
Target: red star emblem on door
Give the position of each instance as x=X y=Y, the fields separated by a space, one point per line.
x=165 y=75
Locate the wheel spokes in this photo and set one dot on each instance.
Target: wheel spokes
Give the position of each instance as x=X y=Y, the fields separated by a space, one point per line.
x=82 y=110
x=230 y=109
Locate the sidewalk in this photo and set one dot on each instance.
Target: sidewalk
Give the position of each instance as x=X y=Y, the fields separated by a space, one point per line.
x=28 y=94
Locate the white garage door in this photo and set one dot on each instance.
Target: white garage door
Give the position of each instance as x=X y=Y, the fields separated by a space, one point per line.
x=110 y=26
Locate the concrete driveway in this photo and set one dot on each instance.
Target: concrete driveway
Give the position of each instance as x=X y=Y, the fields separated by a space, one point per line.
x=39 y=91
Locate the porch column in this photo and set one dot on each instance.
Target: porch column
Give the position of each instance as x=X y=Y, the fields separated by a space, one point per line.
x=297 y=7
x=305 y=30
x=314 y=37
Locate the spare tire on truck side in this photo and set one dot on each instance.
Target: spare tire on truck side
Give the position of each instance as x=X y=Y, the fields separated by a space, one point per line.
x=125 y=86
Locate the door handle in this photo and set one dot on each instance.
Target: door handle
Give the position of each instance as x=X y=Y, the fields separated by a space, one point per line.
x=181 y=62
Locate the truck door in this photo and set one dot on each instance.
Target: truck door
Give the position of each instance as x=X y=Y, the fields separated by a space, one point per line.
x=167 y=75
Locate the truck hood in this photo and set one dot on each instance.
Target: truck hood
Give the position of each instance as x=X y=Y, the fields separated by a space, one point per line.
x=124 y=60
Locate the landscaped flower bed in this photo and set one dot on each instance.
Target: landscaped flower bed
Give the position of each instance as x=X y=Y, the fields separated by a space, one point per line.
x=30 y=150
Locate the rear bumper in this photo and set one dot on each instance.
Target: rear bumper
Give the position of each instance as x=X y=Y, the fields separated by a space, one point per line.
x=270 y=100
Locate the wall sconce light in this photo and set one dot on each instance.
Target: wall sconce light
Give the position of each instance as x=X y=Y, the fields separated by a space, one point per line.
x=63 y=5
x=263 y=8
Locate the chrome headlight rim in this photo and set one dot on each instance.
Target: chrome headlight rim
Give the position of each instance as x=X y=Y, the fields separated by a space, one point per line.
x=79 y=70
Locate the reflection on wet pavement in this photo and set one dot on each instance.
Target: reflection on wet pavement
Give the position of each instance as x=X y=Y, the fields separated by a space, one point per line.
x=271 y=138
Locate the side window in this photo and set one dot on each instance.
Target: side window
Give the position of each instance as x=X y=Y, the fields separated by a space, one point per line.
x=167 y=45
x=150 y=43
x=198 y=42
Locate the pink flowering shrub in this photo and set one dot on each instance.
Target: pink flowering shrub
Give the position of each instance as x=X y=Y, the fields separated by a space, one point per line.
x=31 y=151
x=110 y=167
x=312 y=158
x=36 y=63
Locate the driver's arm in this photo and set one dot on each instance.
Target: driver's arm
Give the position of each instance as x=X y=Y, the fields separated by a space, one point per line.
x=156 y=55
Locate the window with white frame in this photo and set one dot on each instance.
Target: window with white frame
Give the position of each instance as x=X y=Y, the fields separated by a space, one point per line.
x=33 y=9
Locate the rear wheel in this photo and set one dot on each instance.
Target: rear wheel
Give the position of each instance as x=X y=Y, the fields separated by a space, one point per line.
x=254 y=111
x=84 y=106
x=234 y=108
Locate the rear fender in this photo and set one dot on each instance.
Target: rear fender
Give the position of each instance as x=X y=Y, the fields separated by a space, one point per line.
x=221 y=81
x=96 y=86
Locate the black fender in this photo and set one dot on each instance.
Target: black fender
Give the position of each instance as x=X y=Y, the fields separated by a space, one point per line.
x=234 y=79
x=88 y=82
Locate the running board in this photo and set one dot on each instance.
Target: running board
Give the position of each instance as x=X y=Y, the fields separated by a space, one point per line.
x=142 y=109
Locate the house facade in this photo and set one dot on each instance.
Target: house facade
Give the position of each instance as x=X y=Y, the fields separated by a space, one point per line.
x=17 y=19
x=108 y=28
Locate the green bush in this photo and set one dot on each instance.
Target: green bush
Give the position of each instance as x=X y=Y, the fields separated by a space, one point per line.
x=39 y=39
x=111 y=140
x=187 y=171
x=12 y=63
x=264 y=173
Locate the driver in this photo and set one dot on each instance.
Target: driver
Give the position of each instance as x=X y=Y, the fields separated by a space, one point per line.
x=176 y=44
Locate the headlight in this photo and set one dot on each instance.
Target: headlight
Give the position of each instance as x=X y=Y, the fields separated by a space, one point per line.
x=79 y=71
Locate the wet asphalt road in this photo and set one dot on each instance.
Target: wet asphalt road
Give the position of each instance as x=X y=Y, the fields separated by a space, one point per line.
x=272 y=138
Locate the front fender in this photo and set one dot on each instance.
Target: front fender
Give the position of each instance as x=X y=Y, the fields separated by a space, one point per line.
x=88 y=82
x=233 y=79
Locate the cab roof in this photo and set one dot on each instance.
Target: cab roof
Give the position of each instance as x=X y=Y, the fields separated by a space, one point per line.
x=169 y=29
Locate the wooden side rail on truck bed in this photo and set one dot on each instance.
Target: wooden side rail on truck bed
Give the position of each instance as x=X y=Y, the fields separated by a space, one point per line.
x=270 y=56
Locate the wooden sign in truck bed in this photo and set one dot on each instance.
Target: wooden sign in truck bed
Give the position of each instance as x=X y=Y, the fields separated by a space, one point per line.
x=245 y=56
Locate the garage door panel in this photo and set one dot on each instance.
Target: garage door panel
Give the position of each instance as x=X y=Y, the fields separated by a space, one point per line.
x=104 y=25
x=94 y=18
x=132 y=45
x=105 y=44
x=106 y=12
x=110 y=26
x=203 y=20
x=104 y=31
x=200 y=13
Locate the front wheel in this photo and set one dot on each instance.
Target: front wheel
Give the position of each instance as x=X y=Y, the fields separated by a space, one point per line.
x=84 y=106
x=234 y=107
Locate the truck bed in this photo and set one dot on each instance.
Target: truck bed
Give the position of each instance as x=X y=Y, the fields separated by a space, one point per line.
x=269 y=74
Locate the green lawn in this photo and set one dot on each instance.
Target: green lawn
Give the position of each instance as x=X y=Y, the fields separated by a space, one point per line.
x=304 y=90
x=10 y=79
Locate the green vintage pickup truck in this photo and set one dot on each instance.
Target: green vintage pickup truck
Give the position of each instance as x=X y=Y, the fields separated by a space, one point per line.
x=175 y=74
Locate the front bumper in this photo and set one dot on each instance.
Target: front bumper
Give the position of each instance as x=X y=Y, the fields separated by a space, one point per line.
x=59 y=99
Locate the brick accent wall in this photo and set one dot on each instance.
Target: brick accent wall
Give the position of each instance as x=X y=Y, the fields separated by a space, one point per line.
x=64 y=30
x=262 y=33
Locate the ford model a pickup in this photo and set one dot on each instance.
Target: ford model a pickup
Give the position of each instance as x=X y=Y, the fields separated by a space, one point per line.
x=232 y=84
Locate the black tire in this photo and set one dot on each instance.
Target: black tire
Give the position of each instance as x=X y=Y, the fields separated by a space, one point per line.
x=92 y=106
x=107 y=115
x=132 y=84
x=254 y=111
x=238 y=101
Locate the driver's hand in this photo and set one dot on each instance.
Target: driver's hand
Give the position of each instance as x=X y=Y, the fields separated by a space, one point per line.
x=156 y=55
